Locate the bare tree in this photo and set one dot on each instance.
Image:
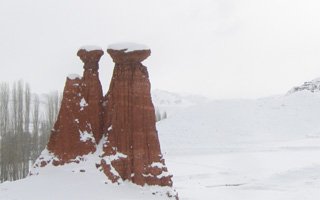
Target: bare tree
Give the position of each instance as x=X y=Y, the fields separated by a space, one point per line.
x=27 y=100
x=164 y=115
x=4 y=108
x=4 y=127
x=52 y=110
x=35 y=129
x=53 y=104
x=19 y=106
x=158 y=115
x=18 y=144
x=25 y=134
x=15 y=139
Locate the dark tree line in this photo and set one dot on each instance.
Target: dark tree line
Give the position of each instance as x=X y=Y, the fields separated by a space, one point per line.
x=160 y=116
x=25 y=124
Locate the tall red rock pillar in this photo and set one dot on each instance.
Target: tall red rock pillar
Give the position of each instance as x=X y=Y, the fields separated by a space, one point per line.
x=79 y=124
x=132 y=150
x=92 y=89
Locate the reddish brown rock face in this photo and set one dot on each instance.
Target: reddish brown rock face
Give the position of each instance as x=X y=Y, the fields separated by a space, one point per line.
x=92 y=90
x=79 y=124
x=132 y=150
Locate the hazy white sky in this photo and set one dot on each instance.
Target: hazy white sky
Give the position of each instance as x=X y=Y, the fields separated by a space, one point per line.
x=217 y=48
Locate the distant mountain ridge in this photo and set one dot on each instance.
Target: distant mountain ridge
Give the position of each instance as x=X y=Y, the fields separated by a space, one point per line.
x=168 y=103
x=312 y=86
x=166 y=98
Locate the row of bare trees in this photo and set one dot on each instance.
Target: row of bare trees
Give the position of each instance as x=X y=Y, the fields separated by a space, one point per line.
x=160 y=116
x=25 y=124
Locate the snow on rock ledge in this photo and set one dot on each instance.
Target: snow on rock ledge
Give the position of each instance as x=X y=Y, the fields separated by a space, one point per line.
x=90 y=48
x=128 y=47
x=125 y=53
x=74 y=76
x=86 y=136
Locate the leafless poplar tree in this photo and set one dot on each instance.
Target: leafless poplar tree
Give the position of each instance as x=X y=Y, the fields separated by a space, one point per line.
x=4 y=127
x=22 y=139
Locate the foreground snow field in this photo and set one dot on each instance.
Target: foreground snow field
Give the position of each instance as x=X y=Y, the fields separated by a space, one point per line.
x=266 y=149
x=286 y=173
x=246 y=149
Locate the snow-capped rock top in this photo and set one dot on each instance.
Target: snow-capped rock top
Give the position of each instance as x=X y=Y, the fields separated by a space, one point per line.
x=90 y=48
x=128 y=46
x=312 y=86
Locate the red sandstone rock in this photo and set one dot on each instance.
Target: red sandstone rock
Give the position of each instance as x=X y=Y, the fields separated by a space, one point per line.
x=92 y=89
x=132 y=150
x=79 y=124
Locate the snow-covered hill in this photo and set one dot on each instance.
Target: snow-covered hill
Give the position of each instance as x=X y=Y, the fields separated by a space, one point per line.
x=77 y=181
x=165 y=98
x=219 y=125
x=266 y=149
x=171 y=103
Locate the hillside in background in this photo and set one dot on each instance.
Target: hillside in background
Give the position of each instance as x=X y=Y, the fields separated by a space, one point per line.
x=169 y=103
x=311 y=86
x=218 y=125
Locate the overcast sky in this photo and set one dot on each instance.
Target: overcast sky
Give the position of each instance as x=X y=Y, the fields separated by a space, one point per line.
x=216 y=48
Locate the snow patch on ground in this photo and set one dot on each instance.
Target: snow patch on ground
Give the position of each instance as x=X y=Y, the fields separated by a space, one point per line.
x=86 y=136
x=46 y=157
x=109 y=159
x=114 y=157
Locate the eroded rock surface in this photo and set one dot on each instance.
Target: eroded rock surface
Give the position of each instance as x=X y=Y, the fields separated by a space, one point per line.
x=132 y=150
x=79 y=124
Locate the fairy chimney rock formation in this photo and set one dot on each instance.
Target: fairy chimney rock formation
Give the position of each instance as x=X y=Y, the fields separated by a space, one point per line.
x=132 y=149
x=92 y=89
x=79 y=124
x=123 y=121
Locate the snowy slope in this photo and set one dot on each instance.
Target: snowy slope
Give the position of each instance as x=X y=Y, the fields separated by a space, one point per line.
x=165 y=98
x=312 y=86
x=219 y=125
x=76 y=181
x=265 y=149
x=171 y=103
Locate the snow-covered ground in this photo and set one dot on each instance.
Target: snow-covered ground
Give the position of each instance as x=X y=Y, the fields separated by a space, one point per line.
x=246 y=149
x=265 y=149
